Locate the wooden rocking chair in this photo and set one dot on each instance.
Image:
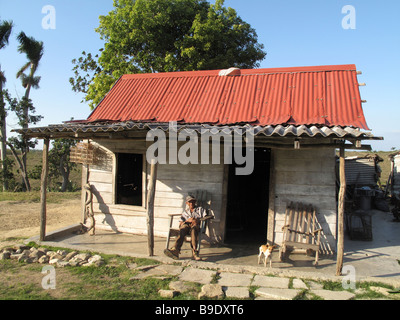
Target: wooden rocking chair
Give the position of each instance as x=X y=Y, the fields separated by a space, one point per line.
x=300 y=229
x=203 y=198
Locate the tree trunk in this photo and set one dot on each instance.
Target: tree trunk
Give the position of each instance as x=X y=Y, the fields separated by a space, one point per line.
x=150 y=207
x=43 y=189
x=341 y=201
x=25 y=179
x=64 y=170
x=25 y=149
x=3 y=146
x=3 y=139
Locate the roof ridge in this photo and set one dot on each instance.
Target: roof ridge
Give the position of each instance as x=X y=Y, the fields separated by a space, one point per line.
x=244 y=72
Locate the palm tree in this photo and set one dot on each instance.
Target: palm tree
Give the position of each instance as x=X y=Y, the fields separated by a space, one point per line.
x=34 y=52
x=5 y=31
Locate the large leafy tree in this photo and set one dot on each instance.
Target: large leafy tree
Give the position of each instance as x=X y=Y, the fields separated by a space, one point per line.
x=60 y=165
x=162 y=36
x=5 y=32
x=59 y=162
x=20 y=107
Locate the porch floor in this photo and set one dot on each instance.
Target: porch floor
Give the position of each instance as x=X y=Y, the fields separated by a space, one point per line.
x=377 y=258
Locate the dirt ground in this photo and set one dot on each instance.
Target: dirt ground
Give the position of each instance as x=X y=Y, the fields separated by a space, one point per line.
x=22 y=220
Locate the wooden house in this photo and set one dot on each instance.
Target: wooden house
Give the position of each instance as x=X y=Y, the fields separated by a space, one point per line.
x=291 y=119
x=395 y=172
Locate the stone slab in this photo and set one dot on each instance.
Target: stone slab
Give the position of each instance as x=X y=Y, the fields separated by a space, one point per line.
x=197 y=275
x=235 y=279
x=333 y=295
x=167 y=293
x=277 y=293
x=162 y=270
x=315 y=285
x=211 y=291
x=270 y=282
x=237 y=292
x=299 y=284
x=180 y=286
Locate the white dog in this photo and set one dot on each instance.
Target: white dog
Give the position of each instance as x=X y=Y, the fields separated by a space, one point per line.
x=266 y=250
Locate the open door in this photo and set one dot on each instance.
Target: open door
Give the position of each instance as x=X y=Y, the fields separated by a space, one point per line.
x=247 y=206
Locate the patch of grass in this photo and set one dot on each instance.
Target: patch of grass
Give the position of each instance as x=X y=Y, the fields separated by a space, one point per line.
x=8 y=266
x=23 y=291
x=367 y=293
x=367 y=284
x=192 y=292
x=215 y=278
x=332 y=285
x=113 y=283
x=302 y=295
x=370 y=294
x=291 y=283
x=252 y=290
x=13 y=239
x=34 y=196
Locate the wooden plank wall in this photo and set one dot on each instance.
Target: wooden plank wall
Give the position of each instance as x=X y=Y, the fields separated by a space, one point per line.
x=174 y=182
x=308 y=176
x=396 y=173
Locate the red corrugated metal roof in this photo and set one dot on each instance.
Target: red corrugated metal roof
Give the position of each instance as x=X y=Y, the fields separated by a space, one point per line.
x=323 y=95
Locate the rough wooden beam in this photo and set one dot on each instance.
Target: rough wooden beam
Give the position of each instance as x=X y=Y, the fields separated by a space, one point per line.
x=341 y=201
x=366 y=147
x=225 y=181
x=271 y=201
x=150 y=206
x=43 y=189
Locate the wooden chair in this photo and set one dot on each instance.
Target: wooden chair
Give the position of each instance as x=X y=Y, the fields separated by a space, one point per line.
x=300 y=229
x=203 y=198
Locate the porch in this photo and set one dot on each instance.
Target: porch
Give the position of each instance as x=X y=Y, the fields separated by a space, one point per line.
x=377 y=258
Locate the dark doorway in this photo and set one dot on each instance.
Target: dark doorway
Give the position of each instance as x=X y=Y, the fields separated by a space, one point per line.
x=247 y=208
x=129 y=179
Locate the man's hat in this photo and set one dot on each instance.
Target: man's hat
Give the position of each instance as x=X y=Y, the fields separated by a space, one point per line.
x=190 y=198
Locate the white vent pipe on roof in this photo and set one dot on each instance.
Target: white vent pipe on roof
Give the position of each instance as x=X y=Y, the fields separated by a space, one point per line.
x=229 y=72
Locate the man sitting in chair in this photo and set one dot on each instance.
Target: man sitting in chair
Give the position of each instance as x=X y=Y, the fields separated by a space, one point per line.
x=189 y=224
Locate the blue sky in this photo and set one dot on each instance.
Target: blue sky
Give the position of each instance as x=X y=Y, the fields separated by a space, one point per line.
x=295 y=33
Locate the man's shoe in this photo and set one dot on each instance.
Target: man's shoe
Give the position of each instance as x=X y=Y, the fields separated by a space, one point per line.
x=174 y=254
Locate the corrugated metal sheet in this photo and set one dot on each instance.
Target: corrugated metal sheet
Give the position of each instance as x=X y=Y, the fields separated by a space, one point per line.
x=326 y=96
x=361 y=172
x=267 y=131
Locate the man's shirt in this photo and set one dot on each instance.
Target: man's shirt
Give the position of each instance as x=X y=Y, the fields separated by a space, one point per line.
x=198 y=212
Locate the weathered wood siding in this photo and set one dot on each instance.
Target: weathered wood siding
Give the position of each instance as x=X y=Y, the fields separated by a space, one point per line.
x=174 y=182
x=396 y=174
x=308 y=176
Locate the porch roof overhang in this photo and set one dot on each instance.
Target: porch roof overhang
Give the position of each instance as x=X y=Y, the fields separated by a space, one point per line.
x=336 y=135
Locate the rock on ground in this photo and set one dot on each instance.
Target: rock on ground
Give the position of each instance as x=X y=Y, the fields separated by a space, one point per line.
x=197 y=275
x=333 y=295
x=213 y=291
x=277 y=293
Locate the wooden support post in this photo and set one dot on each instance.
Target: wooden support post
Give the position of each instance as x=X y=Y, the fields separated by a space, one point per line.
x=271 y=201
x=150 y=207
x=391 y=179
x=341 y=201
x=84 y=181
x=43 y=189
